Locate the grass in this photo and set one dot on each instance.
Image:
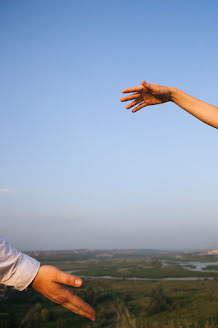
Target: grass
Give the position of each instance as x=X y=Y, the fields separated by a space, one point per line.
x=125 y=268
x=121 y=303
x=125 y=304
x=211 y=267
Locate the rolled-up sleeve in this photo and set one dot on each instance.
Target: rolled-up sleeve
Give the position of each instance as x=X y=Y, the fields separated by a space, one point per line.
x=16 y=269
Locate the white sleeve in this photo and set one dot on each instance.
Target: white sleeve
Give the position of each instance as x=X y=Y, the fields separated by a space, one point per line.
x=16 y=269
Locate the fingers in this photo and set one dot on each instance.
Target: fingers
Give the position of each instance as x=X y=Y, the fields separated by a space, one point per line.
x=145 y=84
x=131 y=97
x=67 y=279
x=77 y=305
x=63 y=296
x=133 y=89
x=133 y=103
x=138 y=107
x=137 y=97
x=49 y=282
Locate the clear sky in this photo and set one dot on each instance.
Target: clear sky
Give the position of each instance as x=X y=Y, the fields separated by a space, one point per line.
x=77 y=170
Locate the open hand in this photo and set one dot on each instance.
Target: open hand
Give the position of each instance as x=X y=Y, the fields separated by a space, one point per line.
x=146 y=95
x=50 y=282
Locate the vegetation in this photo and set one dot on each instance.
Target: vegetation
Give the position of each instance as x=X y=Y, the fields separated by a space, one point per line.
x=141 y=304
x=211 y=267
x=128 y=268
x=120 y=303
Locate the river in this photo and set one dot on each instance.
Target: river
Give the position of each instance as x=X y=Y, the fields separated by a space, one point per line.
x=198 y=266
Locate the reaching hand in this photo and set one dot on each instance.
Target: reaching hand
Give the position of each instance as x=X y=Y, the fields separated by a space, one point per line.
x=146 y=95
x=50 y=282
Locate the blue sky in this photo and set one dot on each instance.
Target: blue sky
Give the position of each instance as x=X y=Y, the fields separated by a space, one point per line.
x=77 y=169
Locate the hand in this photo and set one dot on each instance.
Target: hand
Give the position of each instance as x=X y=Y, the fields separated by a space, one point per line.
x=146 y=95
x=50 y=282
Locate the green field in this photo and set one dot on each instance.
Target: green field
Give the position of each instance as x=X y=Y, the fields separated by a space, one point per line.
x=211 y=267
x=124 y=268
x=140 y=267
x=120 y=303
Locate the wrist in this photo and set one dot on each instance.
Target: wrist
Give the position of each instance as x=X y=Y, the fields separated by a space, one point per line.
x=173 y=92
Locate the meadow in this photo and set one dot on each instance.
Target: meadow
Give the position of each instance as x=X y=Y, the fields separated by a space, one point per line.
x=121 y=303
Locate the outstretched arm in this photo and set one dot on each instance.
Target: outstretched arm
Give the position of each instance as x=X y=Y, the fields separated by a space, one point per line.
x=153 y=94
x=203 y=111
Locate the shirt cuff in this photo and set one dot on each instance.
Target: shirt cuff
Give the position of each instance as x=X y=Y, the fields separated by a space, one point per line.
x=25 y=273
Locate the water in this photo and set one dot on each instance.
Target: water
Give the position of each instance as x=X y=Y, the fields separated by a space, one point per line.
x=198 y=266
x=141 y=279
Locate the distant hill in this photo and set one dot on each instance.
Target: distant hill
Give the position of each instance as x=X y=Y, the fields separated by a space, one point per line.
x=65 y=255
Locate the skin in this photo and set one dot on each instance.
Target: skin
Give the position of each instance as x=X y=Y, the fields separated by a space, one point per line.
x=50 y=282
x=154 y=94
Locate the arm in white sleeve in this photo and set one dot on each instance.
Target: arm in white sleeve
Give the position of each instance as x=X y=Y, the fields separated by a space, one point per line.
x=16 y=269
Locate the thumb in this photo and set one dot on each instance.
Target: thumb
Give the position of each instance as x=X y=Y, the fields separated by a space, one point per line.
x=145 y=84
x=68 y=279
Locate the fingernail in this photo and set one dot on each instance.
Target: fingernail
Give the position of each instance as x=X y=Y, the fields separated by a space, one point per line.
x=78 y=282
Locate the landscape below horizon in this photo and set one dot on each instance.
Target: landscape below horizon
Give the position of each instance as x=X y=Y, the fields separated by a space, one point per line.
x=128 y=288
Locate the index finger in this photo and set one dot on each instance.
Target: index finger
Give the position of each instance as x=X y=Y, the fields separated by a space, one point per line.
x=133 y=89
x=77 y=305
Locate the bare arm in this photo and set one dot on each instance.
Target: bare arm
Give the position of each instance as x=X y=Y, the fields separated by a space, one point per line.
x=153 y=94
x=203 y=111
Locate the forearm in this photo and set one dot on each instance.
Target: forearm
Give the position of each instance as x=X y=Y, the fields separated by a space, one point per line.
x=198 y=108
x=16 y=269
